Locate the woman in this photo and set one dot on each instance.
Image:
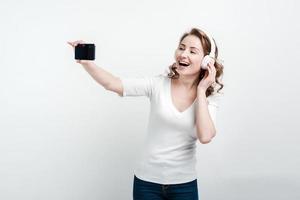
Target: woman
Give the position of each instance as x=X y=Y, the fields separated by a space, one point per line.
x=183 y=110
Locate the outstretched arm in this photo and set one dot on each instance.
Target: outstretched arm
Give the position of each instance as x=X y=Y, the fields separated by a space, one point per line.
x=104 y=78
x=101 y=76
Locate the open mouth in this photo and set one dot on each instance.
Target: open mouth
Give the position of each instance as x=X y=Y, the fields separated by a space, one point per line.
x=183 y=64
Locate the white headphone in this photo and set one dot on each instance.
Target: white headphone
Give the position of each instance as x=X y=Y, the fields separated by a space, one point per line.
x=211 y=56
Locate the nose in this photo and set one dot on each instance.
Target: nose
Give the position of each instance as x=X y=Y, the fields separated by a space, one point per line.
x=183 y=54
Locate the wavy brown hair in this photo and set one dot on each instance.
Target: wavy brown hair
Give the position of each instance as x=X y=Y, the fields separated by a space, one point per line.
x=206 y=48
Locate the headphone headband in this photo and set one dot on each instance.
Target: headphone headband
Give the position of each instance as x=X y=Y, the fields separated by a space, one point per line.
x=212 y=44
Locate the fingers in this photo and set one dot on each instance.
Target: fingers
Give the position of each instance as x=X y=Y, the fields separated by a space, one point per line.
x=73 y=44
x=212 y=68
x=212 y=72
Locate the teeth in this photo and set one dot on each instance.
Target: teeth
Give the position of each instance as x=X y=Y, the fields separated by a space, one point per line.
x=184 y=64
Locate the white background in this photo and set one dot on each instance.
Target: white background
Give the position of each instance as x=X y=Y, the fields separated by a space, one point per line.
x=64 y=137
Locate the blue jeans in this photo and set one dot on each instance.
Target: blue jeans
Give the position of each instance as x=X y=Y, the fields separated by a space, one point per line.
x=144 y=190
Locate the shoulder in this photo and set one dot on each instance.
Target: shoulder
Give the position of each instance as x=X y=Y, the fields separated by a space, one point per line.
x=158 y=79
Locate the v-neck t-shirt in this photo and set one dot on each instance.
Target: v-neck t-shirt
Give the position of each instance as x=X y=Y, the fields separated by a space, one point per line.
x=168 y=154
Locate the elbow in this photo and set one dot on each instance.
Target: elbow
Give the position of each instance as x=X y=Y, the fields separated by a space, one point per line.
x=206 y=140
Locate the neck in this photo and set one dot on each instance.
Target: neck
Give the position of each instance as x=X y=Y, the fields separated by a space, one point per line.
x=187 y=82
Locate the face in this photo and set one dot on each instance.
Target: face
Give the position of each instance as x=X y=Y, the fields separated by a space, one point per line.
x=189 y=55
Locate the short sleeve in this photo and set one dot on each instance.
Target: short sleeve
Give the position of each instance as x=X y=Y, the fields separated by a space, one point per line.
x=213 y=106
x=139 y=86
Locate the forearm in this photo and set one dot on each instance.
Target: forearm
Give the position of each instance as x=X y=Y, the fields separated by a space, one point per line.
x=204 y=124
x=103 y=77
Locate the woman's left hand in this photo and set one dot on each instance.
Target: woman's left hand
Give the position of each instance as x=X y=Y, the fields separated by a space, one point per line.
x=209 y=77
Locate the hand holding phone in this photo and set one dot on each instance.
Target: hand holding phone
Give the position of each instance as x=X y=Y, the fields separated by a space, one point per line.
x=84 y=52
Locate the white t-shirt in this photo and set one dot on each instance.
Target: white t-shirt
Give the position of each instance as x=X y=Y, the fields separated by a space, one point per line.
x=168 y=155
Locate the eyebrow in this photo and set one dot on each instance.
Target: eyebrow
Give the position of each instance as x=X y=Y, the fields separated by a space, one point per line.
x=190 y=47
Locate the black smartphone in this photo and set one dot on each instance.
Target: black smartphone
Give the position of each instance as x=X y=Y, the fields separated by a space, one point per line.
x=85 y=52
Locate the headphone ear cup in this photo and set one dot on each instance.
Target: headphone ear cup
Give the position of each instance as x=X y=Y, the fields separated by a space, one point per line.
x=206 y=59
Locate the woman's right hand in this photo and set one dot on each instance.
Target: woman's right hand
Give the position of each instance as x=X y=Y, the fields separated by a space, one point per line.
x=73 y=44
